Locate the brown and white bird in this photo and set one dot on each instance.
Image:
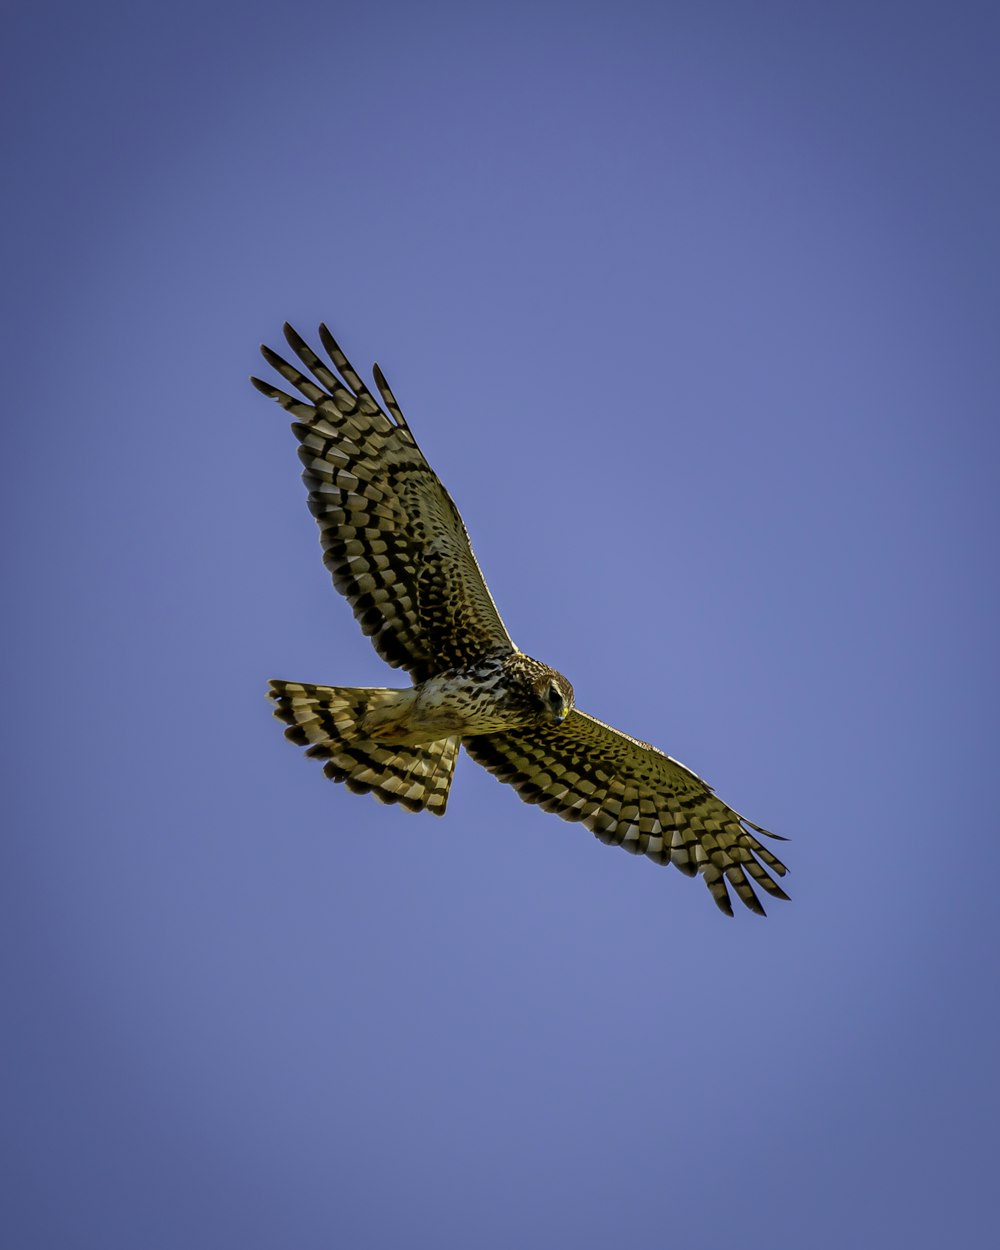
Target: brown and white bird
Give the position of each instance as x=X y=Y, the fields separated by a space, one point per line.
x=397 y=549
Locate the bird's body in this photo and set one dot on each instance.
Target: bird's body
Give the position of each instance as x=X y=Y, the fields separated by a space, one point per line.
x=396 y=546
x=489 y=696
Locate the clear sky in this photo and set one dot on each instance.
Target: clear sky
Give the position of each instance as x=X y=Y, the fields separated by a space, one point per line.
x=694 y=309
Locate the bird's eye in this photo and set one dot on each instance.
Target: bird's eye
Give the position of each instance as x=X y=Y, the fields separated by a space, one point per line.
x=555 y=696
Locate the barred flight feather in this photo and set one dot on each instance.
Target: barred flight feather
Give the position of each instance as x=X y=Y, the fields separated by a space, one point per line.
x=326 y=720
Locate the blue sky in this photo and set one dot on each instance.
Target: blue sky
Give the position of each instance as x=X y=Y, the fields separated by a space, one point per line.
x=694 y=310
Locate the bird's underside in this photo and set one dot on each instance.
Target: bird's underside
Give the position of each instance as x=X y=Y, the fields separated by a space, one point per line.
x=397 y=549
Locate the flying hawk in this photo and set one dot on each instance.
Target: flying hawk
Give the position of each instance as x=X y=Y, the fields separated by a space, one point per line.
x=397 y=549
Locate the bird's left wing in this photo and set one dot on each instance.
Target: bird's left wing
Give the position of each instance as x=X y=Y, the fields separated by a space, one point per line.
x=630 y=794
x=392 y=538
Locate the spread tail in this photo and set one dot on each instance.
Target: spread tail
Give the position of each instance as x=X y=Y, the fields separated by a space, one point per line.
x=327 y=720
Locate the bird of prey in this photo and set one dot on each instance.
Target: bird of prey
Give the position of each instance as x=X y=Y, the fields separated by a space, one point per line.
x=397 y=548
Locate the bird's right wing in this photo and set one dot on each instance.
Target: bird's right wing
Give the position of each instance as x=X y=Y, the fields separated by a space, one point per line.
x=392 y=538
x=629 y=794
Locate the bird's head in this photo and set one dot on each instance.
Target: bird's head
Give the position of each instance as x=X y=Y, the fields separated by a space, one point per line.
x=555 y=695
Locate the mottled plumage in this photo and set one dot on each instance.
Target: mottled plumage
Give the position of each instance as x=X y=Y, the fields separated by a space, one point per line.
x=397 y=549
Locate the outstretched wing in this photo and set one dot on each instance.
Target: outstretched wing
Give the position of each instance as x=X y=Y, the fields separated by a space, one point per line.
x=392 y=538
x=630 y=794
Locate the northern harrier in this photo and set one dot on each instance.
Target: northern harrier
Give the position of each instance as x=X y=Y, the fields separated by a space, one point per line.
x=398 y=550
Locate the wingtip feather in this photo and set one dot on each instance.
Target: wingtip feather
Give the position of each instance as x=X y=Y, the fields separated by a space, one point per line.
x=292 y=337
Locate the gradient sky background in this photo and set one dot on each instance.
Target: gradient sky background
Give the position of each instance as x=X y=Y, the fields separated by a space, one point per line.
x=694 y=308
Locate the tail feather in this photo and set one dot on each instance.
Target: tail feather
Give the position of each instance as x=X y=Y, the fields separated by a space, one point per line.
x=327 y=721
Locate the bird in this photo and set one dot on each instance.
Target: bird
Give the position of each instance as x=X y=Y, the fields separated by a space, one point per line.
x=398 y=550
